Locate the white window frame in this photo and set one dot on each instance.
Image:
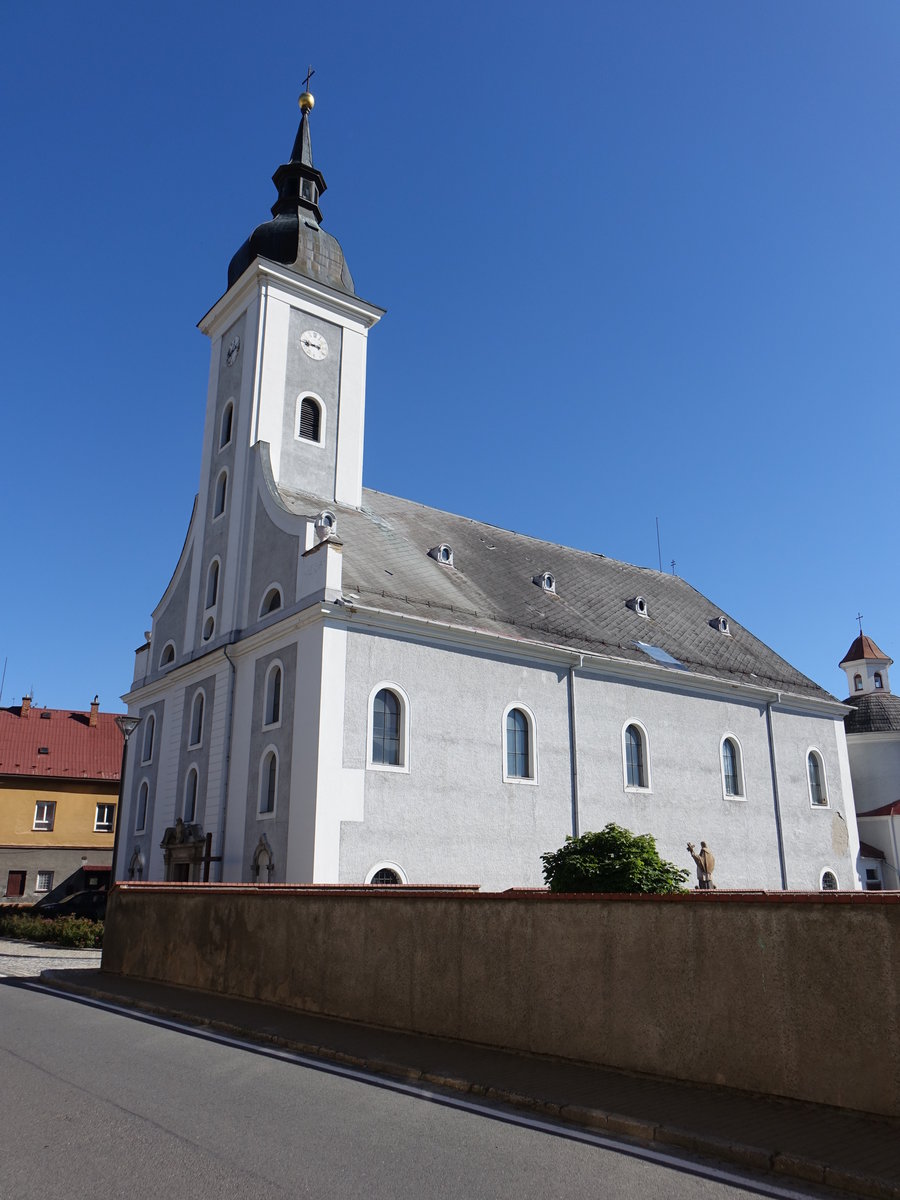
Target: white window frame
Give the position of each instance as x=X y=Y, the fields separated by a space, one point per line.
x=192 y=770
x=531 y=779
x=275 y=664
x=401 y=768
x=322 y=415
x=216 y=562
x=221 y=487
x=823 y=779
x=102 y=827
x=828 y=871
x=384 y=865
x=49 y=886
x=145 y=783
x=260 y=815
x=164 y=665
x=149 y=728
x=227 y=441
x=739 y=765
x=267 y=592
x=47 y=822
x=645 y=747
x=200 y=695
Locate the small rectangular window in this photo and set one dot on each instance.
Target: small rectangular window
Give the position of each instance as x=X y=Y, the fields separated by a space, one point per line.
x=103 y=822
x=44 y=881
x=44 y=815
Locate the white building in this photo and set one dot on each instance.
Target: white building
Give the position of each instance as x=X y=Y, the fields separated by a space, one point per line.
x=343 y=686
x=873 y=743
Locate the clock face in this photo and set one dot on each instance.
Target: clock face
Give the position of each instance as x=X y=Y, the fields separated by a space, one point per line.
x=313 y=344
x=234 y=350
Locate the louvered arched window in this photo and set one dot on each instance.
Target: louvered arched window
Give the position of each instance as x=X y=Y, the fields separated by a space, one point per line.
x=310 y=419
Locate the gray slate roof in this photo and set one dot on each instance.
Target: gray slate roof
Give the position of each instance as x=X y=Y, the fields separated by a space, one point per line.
x=489 y=588
x=874 y=712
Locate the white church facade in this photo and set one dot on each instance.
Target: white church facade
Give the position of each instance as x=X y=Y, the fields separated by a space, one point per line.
x=341 y=686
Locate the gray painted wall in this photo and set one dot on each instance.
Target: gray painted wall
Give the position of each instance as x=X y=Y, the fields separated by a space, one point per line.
x=305 y=466
x=275 y=828
x=196 y=756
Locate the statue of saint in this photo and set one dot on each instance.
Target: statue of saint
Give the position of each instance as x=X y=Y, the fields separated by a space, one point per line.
x=706 y=864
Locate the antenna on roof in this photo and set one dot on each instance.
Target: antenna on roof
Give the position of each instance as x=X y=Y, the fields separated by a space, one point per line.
x=3 y=679
x=658 y=550
x=673 y=566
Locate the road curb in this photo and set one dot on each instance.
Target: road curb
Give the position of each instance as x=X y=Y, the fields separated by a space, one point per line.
x=645 y=1133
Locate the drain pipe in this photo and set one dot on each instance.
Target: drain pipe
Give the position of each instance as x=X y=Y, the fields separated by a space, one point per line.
x=778 y=830
x=573 y=745
x=229 y=728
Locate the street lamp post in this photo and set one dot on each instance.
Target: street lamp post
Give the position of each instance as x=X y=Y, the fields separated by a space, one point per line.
x=127 y=725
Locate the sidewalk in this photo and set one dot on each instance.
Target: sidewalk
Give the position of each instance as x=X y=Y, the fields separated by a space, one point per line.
x=855 y=1153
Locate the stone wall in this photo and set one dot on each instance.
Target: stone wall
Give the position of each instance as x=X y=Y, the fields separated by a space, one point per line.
x=794 y=995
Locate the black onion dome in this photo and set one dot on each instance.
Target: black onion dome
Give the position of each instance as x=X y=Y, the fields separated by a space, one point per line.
x=294 y=235
x=874 y=712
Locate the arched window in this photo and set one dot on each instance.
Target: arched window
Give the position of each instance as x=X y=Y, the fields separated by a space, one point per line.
x=386 y=720
x=168 y=655
x=518 y=745
x=310 y=419
x=815 y=768
x=877 y=681
x=221 y=490
x=197 y=720
x=829 y=881
x=386 y=874
x=149 y=732
x=225 y=429
x=272 y=711
x=857 y=682
x=732 y=781
x=140 y=819
x=212 y=583
x=268 y=783
x=271 y=602
x=191 y=785
x=637 y=774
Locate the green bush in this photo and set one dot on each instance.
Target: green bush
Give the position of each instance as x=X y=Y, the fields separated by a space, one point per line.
x=612 y=860
x=76 y=932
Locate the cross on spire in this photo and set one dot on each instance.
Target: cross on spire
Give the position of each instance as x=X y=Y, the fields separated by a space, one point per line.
x=309 y=74
x=859 y=618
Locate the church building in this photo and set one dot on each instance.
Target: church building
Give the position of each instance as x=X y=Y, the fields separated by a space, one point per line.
x=341 y=686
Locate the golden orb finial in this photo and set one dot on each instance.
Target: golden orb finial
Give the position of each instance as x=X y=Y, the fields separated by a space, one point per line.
x=307 y=101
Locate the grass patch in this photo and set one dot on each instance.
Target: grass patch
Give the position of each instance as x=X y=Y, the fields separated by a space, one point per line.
x=76 y=932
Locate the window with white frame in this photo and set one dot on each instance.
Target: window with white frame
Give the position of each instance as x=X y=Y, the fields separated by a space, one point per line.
x=104 y=818
x=149 y=734
x=732 y=768
x=857 y=682
x=518 y=745
x=272 y=707
x=140 y=817
x=212 y=583
x=829 y=881
x=44 y=815
x=225 y=430
x=268 y=783
x=386 y=876
x=815 y=771
x=636 y=757
x=196 y=733
x=191 y=789
x=310 y=423
x=388 y=728
x=271 y=601
x=168 y=655
x=221 y=494
x=878 y=681
x=44 y=881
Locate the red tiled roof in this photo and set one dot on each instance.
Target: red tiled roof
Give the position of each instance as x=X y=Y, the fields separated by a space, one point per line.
x=886 y=810
x=863 y=647
x=74 y=748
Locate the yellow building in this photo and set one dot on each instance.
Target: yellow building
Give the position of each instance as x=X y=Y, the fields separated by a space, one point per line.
x=59 y=786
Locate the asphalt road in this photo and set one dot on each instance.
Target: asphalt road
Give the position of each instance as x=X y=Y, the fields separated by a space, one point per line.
x=116 y=1106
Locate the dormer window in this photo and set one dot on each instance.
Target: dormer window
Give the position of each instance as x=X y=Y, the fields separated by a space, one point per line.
x=442 y=554
x=639 y=605
x=546 y=581
x=857 y=683
x=721 y=624
x=877 y=680
x=326 y=524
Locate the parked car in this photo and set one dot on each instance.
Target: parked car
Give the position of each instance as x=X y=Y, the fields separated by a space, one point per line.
x=90 y=904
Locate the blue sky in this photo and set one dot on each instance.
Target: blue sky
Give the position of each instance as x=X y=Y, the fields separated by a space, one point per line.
x=639 y=259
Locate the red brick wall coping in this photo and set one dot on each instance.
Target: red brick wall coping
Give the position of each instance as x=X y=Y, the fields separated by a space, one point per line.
x=535 y=895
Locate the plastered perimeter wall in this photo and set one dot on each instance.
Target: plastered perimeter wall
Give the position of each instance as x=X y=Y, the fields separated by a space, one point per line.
x=795 y=997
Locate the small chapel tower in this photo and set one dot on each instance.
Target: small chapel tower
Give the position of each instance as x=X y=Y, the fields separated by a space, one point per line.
x=866 y=667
